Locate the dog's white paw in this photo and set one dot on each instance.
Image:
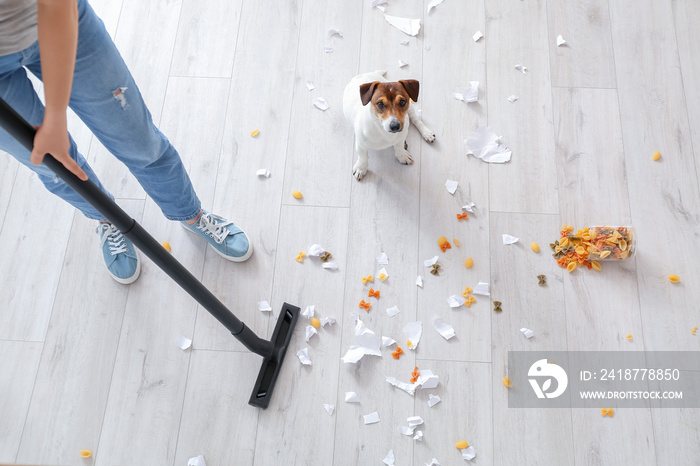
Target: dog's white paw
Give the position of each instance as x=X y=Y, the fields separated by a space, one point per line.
x=359 y=171
x=428 y=135
x=404 y=157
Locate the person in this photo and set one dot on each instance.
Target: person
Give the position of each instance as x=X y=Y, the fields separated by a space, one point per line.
x=65 y=44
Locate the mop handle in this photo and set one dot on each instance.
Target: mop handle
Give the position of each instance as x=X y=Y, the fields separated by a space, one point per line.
x=24 y=133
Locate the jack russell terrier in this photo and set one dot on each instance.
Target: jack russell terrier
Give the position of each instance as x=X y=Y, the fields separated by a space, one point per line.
x=385 y=122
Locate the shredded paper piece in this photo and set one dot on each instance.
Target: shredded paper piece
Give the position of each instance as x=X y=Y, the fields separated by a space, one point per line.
x=316 y=250
x=371 y=418
x=368 y=344
x=330 y=265
x=329 y=409
x=321 y=103
x=414 y=421
x=426 y=380
x=406 y=25
x=351 y=397
x=433 y=4
x=560 y=41
x=334 y=31
x=386 y=341
x=403 y=430
x=328 y=321
x=434 y=462
x=197 y=461
x=419 y=436
x=327 y=50
x=310 y=331
x=402 y=64
x=477 y=35
x=419 y=281
x=264 y=306
x=389 y=458
x=382 y=259
x=430 y=262
x=183 y=342
x=446 y=330
x=413 y=332
x=404 y=42
x=433 y=400
x=392 y=311
x=482 y=289
x=470 y=94
x=485 y=145
x=309 y=311
x=508 y=239
x=309 y=85
x=451 y=186
x=303 y=356
x=527 y=332
x=455 y=301
x=521 y=68
x=263 y=172
x=469 y=453
x=378 y=2
x=468 y=208
x=513 y=98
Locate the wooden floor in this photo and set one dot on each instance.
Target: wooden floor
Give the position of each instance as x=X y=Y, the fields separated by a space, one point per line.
x=87 y=363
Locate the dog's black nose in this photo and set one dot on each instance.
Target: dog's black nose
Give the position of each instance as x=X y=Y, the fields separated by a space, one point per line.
x=394 y=126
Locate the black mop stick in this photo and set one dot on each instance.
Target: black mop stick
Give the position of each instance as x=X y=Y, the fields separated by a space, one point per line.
x=272 y=351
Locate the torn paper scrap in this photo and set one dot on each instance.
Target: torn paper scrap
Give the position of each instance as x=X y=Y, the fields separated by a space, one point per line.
x=427 y=379
x=327 y=50
x=513 y=98
x=521 y=68
x=310 y=331
x=392 y=311
x=371 y=418
x=433 y=400
x=560 y=41
x=455 y=301
x=451 y=186
x=330 y=265
x=430 y=262
x=382 y=274
x=382 y=259
x=333 y=31
x=482 y=288
x=446 y=330
x=183 y=342
x=329 y=409
x=527 y=332
x=508 y=239
x=413 y=332
x=309 y=85
x=403 y=430
x=309 y=311
x=389 y=458
x=303 y=356
x=328 y=321
x=418 y=436
x=469 y=453
x=264 y=306
x=468 y=208
x=414 y=421
x=321 y=103
x=403 y=42
x=470 y=94
x=351 y=397
x=433 y=4
x=434 y=462
x=406 y=25
x=419 y=280
x=386 y=341
x=406 y=387
x=368 y=344
x=485 y=145
x=402 y=64
x=197 y=461
x=263 y=172
x=378 y=2
x=316 y=250
x=477 y=35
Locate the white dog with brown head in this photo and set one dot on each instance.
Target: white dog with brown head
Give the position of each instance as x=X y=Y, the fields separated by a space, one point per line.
x=380 y=113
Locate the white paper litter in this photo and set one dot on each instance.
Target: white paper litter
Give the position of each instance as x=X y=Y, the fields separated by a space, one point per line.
x=470 y=94
x=560 y=41
x=468 y=208
x=330 y=265
x=183 y=342
x=382 y=259
x=329 y=409
x=485 y=145
x=382 y=271
x=527 y=332
x=351 y=397
x=455 y=300
x=389 y=458
x=334 y=31
x=197 y=461
x=303 y=356
x=310 y=331
x=404 y=42
x=406 y=387
x=264 y=306
x=371 y=418
x=425 y=380
x=316 y=250
x=419 y=281
x=433 y=4
x=309 y=85
x=468 y=453
x=482 y=288
x=433 y=400
x=430 y=262
x=309 y=311
x=446 y=330
x=508 y=239
x=451 y=186
x=381 y=8
x=403 y=430
x=321 y=103
x=413 y=332
x=392 y=311
x=328 y=321
x=378 y=2
x=368 y=344
x=418 y=436
x=406 y=25
x=521 y=68
x=434 y=462
x=263 y=172
x=327 y=50
x=513 y=98
x=477 y=35
x=402 y=64
x=414 y=421
x=386 y=341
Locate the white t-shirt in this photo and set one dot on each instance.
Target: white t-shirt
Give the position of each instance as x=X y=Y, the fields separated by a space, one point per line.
x=17 y=25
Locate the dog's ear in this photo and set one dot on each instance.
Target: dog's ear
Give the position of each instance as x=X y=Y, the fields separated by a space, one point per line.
x=412 y=87
x=366 y=91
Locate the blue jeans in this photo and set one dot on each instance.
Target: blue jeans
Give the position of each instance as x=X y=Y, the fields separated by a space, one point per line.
x=105 y=96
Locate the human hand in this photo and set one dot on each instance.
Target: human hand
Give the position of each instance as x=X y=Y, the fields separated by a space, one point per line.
x=52 y=138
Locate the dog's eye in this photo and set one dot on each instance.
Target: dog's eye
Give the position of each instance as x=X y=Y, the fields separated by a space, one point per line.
x=402 y=103
x=380 y=105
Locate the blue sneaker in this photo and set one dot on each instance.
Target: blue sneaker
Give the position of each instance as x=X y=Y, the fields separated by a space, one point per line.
x=229 y=241
x=119 y=254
